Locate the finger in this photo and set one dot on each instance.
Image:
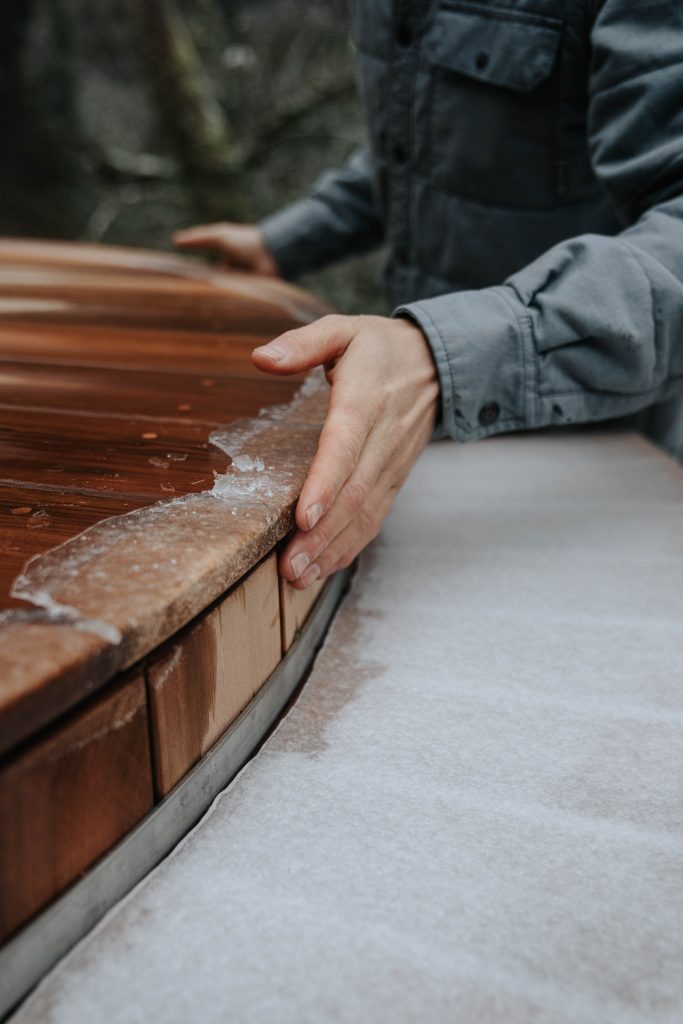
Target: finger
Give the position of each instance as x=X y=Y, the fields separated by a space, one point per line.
x=349 y=543
x=355 y=504
x=204 y=236
x=383 y=469
x=341 y=500
x=302 y=349
x=341 y=448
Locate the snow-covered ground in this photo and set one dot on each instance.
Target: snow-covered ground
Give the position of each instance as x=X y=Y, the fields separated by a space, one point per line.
x=474 y=813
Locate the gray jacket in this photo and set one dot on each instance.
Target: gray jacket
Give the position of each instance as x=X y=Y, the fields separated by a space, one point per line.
x=525 y=168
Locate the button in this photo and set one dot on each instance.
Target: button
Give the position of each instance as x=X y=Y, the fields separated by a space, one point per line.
x=489 y=413
x=481 y=60
x=404 y=34
x=400 y=153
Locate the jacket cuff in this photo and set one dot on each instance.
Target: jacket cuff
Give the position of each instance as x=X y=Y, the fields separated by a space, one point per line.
x=484 y=354
x=297 y=237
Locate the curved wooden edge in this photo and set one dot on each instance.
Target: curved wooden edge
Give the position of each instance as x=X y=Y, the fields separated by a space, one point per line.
x=35 y=949
x=98 y=259
x=87 y=624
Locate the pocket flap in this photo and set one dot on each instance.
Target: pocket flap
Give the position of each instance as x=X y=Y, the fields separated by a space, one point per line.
x=500 y=46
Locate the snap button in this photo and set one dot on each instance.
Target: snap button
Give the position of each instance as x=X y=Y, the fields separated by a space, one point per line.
x=481 y=60
x=403 y=34
x=489 y=413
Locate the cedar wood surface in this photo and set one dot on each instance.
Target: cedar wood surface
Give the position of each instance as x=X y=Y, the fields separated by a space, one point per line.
x=115 y=366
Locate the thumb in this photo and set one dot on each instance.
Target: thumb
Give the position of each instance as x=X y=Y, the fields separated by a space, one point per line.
x=302 y=349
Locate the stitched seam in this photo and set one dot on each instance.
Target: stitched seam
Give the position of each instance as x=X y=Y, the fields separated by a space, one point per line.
x=523 y=320
x=502 y=14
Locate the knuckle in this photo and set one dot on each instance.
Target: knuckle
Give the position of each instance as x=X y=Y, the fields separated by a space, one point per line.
x=321 y=536
x=334 y=321
x=348 y=450
x=356 y=494
x=327 y=560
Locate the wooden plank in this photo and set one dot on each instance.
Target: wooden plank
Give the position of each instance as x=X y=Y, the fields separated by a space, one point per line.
x=222 y=299
x=107 y=455
x=295 y=607
x=89 y=258
x=68 y=797
x=184 y=397
x=199 y=685
x=164 y=350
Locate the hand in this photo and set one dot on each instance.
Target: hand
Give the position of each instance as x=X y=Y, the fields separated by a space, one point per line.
x=240 y=246
x=382 y=412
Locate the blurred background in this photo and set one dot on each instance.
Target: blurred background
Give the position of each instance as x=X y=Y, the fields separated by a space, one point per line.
x=123 y=120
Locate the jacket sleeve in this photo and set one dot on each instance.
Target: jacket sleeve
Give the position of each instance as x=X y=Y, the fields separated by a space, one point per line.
x=339 y=218
x=592 y=329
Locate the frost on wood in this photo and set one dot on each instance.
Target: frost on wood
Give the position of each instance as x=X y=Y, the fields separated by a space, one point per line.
x=132 y=562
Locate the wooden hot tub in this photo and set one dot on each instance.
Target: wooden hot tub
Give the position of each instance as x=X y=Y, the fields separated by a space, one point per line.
x=148 y=473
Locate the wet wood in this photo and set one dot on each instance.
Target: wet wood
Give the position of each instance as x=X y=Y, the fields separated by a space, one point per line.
x=99 y=455
x=201 y=682
x=115 y=367
x=184 y=397
x=163 y=351
x=19 y=254
x=33 y=521
x=68 y=797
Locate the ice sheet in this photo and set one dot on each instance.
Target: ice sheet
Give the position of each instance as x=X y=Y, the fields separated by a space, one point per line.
x=474 y=812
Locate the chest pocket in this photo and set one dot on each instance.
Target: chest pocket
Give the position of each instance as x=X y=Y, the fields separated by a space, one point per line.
x=493 y=103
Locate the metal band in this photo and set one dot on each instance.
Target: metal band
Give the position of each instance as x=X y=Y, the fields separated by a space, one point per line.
x=38 y=947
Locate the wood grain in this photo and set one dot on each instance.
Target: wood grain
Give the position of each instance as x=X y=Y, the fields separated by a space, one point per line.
x=295 y=607
x=115 y=367
x=201 y=682
x=68 y=797
x=166 y=349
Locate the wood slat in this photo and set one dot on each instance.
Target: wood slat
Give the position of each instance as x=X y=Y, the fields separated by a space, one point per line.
x=295 y=607
x=189 y=397
x=156 y=349
x=106 y=455
x=199 y=685
x=108 y=259
x=69 y=797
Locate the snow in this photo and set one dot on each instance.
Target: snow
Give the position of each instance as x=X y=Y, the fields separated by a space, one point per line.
x=474 y=812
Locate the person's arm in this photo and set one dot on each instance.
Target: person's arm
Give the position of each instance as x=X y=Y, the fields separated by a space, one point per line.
x=593 y=329
x=339 y=218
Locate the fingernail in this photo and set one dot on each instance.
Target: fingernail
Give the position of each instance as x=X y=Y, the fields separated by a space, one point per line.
x=274 y=352
x=311 y=575
x=313 y=515
x=299 y=564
